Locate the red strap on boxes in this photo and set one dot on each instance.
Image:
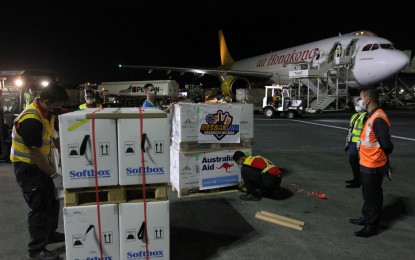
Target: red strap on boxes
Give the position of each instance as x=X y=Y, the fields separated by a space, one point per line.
x=96 y=181
x=143 y=178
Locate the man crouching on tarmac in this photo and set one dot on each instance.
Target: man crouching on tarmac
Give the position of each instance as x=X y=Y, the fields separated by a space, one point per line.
x=260 y=175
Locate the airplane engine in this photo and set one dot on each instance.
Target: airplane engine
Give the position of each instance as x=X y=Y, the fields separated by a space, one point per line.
x=231 y=84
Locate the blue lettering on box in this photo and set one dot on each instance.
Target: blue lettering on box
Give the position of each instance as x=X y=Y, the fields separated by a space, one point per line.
x=86 y=174
x=142 y=254
x=148 y=171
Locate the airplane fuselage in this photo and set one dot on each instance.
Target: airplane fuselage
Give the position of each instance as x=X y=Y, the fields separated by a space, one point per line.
x=373 y=59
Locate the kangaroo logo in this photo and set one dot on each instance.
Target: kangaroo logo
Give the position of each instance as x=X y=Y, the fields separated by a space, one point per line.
x=226 y=166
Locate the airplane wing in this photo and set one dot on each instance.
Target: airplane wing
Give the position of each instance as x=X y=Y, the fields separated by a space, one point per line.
x=203 y=71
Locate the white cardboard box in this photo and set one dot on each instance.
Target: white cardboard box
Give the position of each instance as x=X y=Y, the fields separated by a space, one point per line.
x=155 y=139
x=132 y=242
x=184 y=172
x=247 y=119
x=81 y=232
x=76 y=143
x=185 y=121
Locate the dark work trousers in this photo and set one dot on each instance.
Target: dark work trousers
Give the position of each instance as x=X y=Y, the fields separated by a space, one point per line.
x=255 y=180
x=354 y=163
x=39 y=193
x=373 y=197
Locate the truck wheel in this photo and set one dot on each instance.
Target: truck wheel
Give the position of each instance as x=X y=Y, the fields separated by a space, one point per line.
x=269 y=112
x=290 y=114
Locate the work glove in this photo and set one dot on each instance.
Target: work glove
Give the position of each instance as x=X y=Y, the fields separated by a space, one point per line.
x=57 y=180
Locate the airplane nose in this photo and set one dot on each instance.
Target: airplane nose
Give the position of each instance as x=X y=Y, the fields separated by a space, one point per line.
x=398 y=60
x=382 y=65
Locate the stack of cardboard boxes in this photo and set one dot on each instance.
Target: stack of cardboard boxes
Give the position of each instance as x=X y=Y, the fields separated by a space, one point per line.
x=204 y=139
x=119 y=144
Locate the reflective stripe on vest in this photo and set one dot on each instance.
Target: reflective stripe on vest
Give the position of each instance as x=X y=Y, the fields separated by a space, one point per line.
x=370 y=152
x=19 y=151
x=255 y=162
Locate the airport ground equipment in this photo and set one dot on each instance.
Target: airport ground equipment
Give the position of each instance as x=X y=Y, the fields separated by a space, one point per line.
x=18 y=87
x=277 y=101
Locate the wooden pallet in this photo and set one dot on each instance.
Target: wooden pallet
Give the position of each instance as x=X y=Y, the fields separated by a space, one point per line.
x=193 y=192
x=114 y=194
x=206 y=147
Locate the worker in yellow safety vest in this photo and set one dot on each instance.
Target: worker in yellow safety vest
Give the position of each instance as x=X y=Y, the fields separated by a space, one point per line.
x=353 y=137
x=32 y=143
x=90 y=100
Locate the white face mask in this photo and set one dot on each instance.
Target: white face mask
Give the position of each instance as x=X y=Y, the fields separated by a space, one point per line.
x=361 y=105
x=90 y=100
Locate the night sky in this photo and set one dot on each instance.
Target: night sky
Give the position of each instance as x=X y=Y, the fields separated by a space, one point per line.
x=84 y=41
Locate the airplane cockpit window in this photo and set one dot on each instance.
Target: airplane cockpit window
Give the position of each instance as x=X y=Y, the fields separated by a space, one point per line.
x=387 y=46
x=367 y=47
x=375 y=47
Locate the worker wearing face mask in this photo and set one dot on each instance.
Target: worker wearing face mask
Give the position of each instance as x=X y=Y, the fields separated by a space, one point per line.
x=353 y=136
x=374 y=150
x=90 y=101
x=151 y=101
x=31 y=152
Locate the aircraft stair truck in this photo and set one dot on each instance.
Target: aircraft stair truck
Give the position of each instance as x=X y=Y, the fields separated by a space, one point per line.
x=278 y=101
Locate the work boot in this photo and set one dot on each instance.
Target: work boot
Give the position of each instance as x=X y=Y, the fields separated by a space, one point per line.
x=367 y=231
x=358 y=221
x=353 y=185
x=43 y=255
x=249 y=196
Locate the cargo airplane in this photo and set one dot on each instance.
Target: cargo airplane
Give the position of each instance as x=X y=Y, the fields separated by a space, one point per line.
x=369 y=60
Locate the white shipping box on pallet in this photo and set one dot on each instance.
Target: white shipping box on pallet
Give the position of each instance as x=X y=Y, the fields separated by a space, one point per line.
x=81 y=232
x=77 y=153
x=247 y=119
x=154 y=141
x=132 y=242
x=185 y=122
x=204 y=170
x=184 y=172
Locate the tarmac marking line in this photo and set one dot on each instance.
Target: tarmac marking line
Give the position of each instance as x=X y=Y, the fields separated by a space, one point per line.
x=344 y=128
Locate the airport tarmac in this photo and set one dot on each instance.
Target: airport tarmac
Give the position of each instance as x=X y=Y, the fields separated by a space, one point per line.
x=310 y=150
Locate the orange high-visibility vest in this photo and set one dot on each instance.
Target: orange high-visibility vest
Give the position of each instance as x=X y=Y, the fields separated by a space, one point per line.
x=370 y=152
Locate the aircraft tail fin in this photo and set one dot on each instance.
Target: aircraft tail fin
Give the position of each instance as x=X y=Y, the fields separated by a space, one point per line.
x=226 y=59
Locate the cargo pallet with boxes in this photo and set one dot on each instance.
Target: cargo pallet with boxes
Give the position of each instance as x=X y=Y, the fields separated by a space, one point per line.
x=204 y=139
x=122 y=143
x=133 y=219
